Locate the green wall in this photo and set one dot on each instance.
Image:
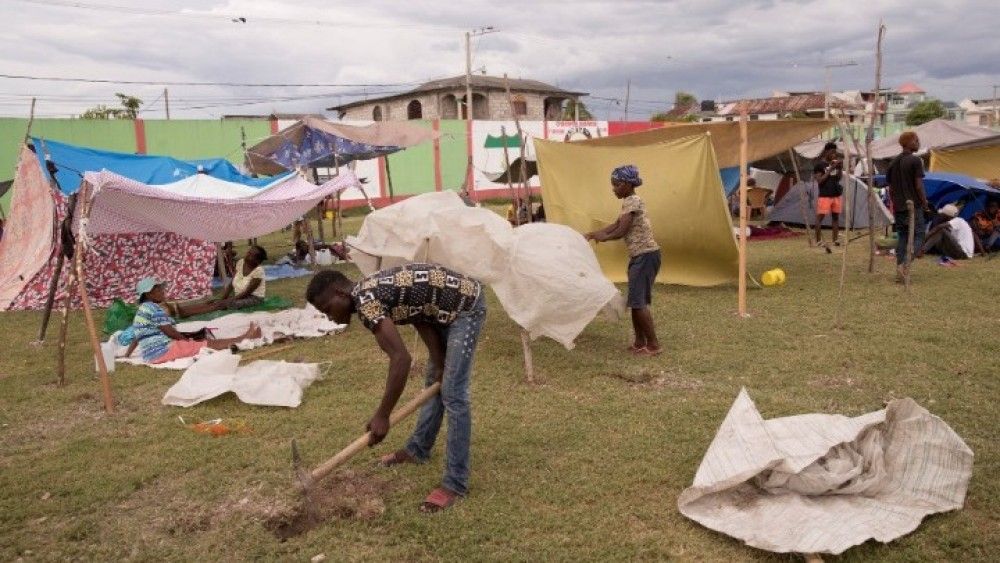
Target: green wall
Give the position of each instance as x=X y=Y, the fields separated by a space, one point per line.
x=189 y=138
x=412 y=170
x=454 y=154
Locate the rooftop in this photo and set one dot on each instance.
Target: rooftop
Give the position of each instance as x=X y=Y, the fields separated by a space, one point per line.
x=478 y=81
x=910 y=88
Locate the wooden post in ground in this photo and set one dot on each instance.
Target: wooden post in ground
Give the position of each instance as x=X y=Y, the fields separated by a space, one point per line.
x=849 y=219
x=60 y=260
x=529 y=364
x=510 y=184
x=909 y=243
x=869 y=161
x=64 y=327
x=80 y=258
x=802 y=199
x=220 y=263
x=742 y=282
x=304 y=223
x=521 y=140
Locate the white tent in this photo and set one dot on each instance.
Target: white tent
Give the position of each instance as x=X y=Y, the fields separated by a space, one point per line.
x=790 y=208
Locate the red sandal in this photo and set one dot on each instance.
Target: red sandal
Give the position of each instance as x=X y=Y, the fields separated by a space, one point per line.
x=438 y=500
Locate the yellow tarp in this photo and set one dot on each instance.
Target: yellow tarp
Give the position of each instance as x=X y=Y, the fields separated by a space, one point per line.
x=683 y=195
x=978 y=162
x=765 y=138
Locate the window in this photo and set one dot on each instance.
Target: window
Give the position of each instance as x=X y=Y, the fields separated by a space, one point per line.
x=519 y=106
x=414 y=110
x=377 y=114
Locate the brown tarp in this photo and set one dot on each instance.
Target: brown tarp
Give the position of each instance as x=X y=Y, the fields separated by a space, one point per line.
x=380 y=133
x=765 y=138
x=935 y=134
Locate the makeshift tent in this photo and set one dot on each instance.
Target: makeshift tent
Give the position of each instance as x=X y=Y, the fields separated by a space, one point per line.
x=789 y=208
x=316 y=142
x=943 y=188
x=933 y=134
x=979 y=159
x=766 y=138
x=545 y=275
x=72 y=161
x=684 y=200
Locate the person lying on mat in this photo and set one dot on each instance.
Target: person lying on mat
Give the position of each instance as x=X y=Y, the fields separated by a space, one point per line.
x=644 y=256
x=448 y=310
x=154 y=333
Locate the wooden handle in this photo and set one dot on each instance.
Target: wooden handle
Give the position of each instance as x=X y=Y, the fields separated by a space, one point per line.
x=324 y=469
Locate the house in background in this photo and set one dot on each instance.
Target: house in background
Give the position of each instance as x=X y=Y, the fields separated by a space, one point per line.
x=783 y=105
x=983 y=113
x=445 y=99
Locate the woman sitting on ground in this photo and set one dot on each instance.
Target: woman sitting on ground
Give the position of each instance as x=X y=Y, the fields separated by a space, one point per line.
x=248 y=286
x=154 y=333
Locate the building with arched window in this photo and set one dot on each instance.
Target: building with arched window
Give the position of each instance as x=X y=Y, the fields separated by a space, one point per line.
x=445 y=99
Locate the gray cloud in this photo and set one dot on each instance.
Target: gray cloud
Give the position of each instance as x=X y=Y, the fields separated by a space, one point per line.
x=713 y=48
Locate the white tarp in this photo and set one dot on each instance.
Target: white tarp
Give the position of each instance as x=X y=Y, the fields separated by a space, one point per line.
x=264 y=382
x=545 y=275
x=819 y=483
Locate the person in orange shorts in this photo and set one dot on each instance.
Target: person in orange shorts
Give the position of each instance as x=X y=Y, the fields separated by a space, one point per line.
x=828 y=172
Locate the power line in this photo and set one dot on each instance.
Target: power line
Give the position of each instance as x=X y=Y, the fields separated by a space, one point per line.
x=178 y=83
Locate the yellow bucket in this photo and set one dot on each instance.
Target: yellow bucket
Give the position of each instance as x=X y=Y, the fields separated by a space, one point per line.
x=773 y=277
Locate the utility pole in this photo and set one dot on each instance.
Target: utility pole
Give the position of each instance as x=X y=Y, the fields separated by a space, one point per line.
x=996 y=110
x=468 y=65
x=166 y=102
x=628 y=90
x=826 y=97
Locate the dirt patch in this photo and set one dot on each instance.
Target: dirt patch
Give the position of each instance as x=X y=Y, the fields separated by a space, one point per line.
x=834 y=382
x=656 y=379
x=346 y=495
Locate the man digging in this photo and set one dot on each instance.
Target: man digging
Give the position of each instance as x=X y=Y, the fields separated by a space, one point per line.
x=448 y=310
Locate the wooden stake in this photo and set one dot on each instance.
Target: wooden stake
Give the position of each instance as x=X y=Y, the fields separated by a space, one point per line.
x=95 y=343
x=870 y=162
x=742 y=283
x=220 y=263
x=60 y=260
x=849 y=218
x=510 y=185
x=64 y=327
x=529 y=364
x=802 y=199
x=909 y=243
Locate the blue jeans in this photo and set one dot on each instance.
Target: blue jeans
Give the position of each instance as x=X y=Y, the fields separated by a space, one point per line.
x=902 y=219
x=460 y=338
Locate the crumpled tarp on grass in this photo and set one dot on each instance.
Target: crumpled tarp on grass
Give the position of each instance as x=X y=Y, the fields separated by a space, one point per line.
x=822 y=483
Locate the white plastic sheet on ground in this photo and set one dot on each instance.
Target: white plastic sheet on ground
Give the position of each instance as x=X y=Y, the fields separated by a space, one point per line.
x=306 y=322
x=819 y=483
x=264 y=382
x=545 y=275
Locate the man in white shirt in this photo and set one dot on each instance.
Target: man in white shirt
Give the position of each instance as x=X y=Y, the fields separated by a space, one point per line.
x=952 y=237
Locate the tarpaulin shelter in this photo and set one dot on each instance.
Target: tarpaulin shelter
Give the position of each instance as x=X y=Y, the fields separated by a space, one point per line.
x=766 y=138
x=544 y=275
x=979 y=158
x=316 y=142
x=933 y=134
x=790 y=208
x=943 y=188
x=682 y=191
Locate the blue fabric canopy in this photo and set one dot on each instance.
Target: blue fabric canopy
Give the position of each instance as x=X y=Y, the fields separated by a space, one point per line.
x=319 y=148
x=730 y=179
x=72 y=161
x=943 y=188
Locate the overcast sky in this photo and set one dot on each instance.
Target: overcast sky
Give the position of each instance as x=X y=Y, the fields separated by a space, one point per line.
x=716 y=49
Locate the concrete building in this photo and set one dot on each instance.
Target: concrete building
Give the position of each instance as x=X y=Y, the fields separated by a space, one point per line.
x=445 y=99
x=983 y=113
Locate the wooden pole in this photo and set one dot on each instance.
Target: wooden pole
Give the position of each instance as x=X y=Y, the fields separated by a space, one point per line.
x=849 y=204
x=869 y=161
x=95 y=343
x=220 y=263
x=802 y=199
x=64 y=327
x=388 y=179
x=909 y=243
x=529 y=364
x=320 y=208
x=510 y=185
x=742 y=282
x=31 y=121
x=60 y=260
x=307 y=228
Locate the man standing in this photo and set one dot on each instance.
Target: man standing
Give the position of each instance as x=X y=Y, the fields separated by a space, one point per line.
x=827 y=173
x=906 y=183
x=448 y=310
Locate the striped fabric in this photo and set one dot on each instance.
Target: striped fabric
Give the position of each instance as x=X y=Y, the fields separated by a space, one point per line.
x=146 y=329
x=819 y=483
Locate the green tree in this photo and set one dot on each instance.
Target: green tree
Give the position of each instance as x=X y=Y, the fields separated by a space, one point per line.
x=665 y=116
x=129 y=110
x=925 y=111
x=569 y=112
x=684 y=99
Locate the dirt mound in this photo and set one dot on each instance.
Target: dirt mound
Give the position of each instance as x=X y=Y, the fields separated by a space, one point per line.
x=346 y=495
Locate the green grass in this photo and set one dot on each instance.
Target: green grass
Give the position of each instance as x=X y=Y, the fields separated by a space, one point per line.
x=582 y=466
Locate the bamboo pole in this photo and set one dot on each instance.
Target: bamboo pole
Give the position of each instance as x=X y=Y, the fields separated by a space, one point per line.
x=802 y=198
x=742 y=283
x=510 y=185
x=529 y=364
x=870 y=162
x=64 y=327
x=60 y=260
x=95 y=343
x=520 y=136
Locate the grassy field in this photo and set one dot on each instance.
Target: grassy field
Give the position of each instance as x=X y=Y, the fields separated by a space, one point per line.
x=585 y=465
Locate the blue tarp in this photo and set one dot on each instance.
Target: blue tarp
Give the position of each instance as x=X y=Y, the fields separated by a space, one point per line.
x=943 y=188
x=319 y=148
x=72 y=161
x=730 y=179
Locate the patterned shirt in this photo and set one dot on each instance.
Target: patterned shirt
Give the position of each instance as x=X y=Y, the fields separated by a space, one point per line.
x=414 y=293
x=639 y=238
x=146 y=328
